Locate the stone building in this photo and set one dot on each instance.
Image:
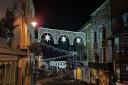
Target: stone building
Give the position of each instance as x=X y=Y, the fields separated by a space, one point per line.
x=86 y=28
x=101 y=59
x=119 y=40
x=14 y=57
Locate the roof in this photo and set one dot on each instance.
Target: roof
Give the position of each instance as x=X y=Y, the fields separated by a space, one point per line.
x=100 y=7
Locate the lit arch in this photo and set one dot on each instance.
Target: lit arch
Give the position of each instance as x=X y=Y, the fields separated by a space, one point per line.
x=50 y=36
x=76 y=42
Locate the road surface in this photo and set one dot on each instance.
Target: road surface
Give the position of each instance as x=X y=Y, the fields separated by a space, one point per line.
x=58 y=81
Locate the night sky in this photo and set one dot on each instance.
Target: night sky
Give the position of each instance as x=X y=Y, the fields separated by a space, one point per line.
x=65 y=14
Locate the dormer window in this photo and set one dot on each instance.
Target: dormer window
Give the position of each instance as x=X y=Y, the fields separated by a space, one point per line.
x=125 y=18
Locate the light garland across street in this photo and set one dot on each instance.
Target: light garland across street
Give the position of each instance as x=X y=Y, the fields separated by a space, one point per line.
x=68 y=55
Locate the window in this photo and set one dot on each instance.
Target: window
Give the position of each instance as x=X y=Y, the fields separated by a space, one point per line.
x=124 y=39
x=95 y=37
x=124 y=45
x=117 y=43
x=117 y=72
x=101 y=54
x=104 y=55
x=104 y=33
x=124 y=72
x=125 y=18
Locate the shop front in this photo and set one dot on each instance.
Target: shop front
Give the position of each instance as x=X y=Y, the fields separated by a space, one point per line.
x=78 y=73
x=94 y=76
x=86 y=74
x=99 y=77
x=103 y=77
x=100 y=74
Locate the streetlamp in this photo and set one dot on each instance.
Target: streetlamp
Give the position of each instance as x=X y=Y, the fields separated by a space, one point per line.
x=34 y=24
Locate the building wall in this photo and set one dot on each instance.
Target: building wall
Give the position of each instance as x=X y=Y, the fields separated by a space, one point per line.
x=101 y=46
x=23 y=21
x=8 y=70
x=120 y=40
x=4 y=4
x=85 y=70
x=22 y=33
x=101 y=19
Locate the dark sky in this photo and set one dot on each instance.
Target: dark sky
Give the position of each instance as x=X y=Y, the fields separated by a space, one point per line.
x=64 y=14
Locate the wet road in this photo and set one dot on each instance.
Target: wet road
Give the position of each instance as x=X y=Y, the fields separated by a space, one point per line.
x=58 y=81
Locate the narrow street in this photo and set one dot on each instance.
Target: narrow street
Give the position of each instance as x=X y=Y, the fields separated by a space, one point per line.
x=63 y=42
x=58 y=81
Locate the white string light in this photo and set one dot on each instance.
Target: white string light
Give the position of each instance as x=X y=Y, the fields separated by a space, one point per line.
x=68 y=55
x=47 y=37
x=63 y=39
x=78 y=40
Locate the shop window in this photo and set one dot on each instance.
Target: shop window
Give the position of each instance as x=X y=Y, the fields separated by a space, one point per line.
x=124 y=72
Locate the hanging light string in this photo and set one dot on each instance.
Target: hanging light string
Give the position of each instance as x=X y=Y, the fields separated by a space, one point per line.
x=67 y=53
x=64 y=56
x=44 y=45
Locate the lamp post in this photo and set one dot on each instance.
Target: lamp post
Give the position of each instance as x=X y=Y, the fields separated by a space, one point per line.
x=34 y=24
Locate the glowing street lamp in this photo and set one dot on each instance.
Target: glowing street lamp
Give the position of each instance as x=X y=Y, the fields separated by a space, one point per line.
x=34 y=24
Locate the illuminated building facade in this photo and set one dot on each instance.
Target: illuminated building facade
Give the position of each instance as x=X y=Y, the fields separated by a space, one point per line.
x=101 y=59
x=87 y=27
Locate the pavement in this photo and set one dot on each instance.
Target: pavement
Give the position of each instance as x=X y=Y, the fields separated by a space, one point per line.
x=58 y=80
